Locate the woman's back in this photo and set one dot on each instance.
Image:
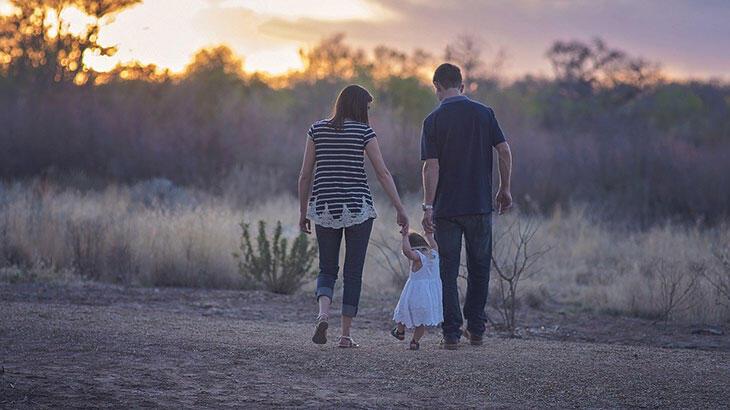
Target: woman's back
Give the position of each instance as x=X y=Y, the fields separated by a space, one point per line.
x=340 y=195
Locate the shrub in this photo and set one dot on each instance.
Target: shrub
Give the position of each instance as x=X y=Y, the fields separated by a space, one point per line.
x=719 y=276
x=272 y=264
x=514 y=257
x=676 y=284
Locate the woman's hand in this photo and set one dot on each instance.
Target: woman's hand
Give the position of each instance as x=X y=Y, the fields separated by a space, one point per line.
x=305 y=186
x=402 y=220
x=305 y=225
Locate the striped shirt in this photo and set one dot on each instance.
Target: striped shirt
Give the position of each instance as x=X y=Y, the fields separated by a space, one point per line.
x=340 y=196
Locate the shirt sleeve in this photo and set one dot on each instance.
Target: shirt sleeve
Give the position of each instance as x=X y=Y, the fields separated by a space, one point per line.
x=310 y=132
x=429 y=147
x=368 y=136
x=495 y=131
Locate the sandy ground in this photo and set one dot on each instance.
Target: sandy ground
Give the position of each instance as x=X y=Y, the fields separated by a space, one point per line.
x=97 y=345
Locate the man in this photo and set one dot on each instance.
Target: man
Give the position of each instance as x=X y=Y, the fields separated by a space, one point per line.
x=456 y=147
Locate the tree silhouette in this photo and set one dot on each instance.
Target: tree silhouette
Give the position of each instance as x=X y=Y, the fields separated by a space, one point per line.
x=582 y=67
x=332 y=58
x=37 y=45
x=467 y=54
x=218 y=61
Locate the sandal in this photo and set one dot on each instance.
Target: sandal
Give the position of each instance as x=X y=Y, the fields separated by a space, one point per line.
x=346 y=342
x=398 y=335
x=320 y=330
x=414 y=345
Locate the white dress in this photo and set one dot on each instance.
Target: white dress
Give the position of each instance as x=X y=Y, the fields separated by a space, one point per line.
x=420 y=301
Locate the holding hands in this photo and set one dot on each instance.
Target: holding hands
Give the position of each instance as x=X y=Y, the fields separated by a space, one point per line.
x=402 y=220
x=428 y=225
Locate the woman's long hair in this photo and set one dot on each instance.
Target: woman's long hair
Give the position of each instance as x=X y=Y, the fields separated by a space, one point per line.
x=352 y=103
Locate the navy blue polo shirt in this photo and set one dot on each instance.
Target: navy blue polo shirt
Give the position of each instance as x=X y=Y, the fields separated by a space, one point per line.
x=460 y=133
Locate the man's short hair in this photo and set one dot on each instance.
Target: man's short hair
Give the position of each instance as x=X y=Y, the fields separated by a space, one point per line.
x=448 y=76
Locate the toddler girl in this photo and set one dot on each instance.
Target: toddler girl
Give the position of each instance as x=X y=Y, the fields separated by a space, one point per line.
x=420 y=301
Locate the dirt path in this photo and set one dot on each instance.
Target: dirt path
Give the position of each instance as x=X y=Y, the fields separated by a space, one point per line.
x=99 y=346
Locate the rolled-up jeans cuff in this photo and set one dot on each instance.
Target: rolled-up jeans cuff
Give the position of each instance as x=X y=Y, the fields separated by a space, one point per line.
x=323 y=291
x=349 y=310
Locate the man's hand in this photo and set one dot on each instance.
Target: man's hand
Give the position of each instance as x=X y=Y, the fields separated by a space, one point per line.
x=504 y=201
x=427 y=221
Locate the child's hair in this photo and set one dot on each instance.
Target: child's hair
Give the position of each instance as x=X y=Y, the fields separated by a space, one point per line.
x=417 y=241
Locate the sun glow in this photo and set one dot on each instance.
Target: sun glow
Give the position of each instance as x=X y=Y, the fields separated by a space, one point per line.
x=168 y=32
x=5 y=8
x=324 y=9
x=74 y=20
x=278 y=61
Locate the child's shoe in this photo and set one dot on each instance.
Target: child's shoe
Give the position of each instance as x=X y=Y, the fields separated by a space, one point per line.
x=398 y=335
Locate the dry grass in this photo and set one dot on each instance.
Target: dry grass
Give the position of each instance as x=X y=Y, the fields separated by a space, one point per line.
x=153 y=234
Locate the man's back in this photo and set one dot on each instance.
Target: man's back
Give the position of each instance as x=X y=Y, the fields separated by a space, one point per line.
x=460 y=133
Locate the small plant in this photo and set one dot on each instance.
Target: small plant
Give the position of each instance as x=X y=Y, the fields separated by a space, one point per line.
x=514 y=258
x=676 y=286
x=272 y=264
x=719 y=276
x=86 y=242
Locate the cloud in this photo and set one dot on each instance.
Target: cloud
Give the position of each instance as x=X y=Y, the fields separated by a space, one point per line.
x=236 y=26
x=687 y=37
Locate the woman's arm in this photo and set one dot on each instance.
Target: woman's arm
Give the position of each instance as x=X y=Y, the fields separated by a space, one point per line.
x=305 y=185
x=372 y=149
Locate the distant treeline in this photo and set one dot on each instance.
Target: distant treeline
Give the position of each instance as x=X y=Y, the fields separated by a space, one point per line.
x=607 y=129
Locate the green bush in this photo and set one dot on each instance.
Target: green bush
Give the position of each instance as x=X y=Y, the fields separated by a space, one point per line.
x=272 y=265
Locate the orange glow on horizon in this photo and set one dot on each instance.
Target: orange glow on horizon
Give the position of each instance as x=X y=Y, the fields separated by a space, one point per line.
x=268 y=34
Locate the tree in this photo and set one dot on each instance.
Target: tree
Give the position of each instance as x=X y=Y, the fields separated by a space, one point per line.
x=467 y=54
x=582 y=68
x=218 y=61
x=332 y=58
x=135 y=71
x=37 y=45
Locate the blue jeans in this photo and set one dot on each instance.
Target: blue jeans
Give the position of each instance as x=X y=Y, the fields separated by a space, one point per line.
x=357 y=238
x=477 y=231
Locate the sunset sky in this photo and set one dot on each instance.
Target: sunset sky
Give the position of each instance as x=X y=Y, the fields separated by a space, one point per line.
x=689 y=38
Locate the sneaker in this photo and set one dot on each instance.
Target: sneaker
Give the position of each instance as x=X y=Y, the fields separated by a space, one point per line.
x=449 y=344
x=474 y=340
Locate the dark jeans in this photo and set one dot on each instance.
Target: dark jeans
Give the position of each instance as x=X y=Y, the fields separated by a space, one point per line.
x=477 y=231
x=356 y=245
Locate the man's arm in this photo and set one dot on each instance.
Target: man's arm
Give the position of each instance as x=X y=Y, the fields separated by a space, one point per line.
x=504 y=195
x=430 y=181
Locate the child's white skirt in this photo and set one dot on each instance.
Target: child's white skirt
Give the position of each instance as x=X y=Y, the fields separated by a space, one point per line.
x=420 y=301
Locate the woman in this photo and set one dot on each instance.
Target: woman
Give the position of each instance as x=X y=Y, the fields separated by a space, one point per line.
x=341 y=202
